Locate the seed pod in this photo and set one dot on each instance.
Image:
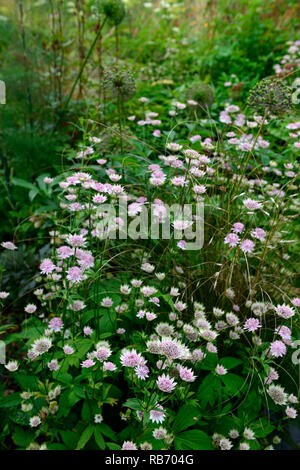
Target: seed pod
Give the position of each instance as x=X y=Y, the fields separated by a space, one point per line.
x=271 y=96
x=201 y=94
x=114 y=10
x=118 y=82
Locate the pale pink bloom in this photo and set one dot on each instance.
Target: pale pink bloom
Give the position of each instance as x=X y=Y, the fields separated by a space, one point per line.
x=142 y=371
x=166 y=383
x=284 y=332
x=187 y=375
x=109 y=366
x=231 y=239
x=106 y=302
x=30 y=308
x=247 y=246
x=87 y=363
x=259 y=233
x=251 y=204
x=102 y=354
x=277 y=348
x=181 y=244
x=35 y=421
x=87 y=330
x=157 y=416
x=74 y=274
x=65 y=252
x=238 y=227
x=220 y=370
x=9 y=245
x=47 y=266
x=68 y=349
x=120 y=331
x=284 y=311
x=131 y=358
x=3 y=295
x=53 y=365
x=252 y=324
x=296 y=301
x=291 y=412
x=56 y=324
x=129 y=445
x=76 y=240
x=12 y=366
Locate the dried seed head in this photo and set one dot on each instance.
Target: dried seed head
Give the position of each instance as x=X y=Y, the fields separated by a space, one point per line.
x=114 y=10
x=200 y=95
x=119 y=82
x=270 y=96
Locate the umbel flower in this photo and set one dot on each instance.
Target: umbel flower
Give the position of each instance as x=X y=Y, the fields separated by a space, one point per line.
x=200 y=95
x=114 y=10
x=270 y=96
x=119 y=82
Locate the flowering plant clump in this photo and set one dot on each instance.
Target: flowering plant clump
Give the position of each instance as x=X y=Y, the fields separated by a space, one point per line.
x=161 y=309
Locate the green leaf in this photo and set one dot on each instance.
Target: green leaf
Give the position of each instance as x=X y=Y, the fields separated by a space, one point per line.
x=134 y=404
x=194 y=440
x=99 y=438
x=22 y=438
x=185 y=418
x=69 y=438
x=85 y=437
x=230 y=362
x=11 y=400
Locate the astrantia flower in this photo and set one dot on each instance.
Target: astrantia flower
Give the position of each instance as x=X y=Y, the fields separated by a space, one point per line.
x=30 y=308
x=56 y=324
x=109 y=366
x=291 y=412
x=157 y=416
x=225 y=444
x=130 y=358
x=41 y=345
x=259 y=234
x=3 y=295
x=9 y=246
x=53 y=365
x=35 y=421
x=187 y=375
x=87 y=330
x=166 y=383
x=47 y=266
x=285 y=311
x=87 y=363
x=164 y=329
x=220 y=370
x=129 y=445
x=252 y=324
x=68 y=349
x=278 y=394
x=277 y=348
x=74 y=274
x=251 y=204
x=234 y=434
x=160 y=433
x=98 y=418
x=247 y=246
x=284 y=332
x=249 y=434
x=142 y=371
x=106 y=302
x=12 y=366
x=64 y=252
x=231 y=239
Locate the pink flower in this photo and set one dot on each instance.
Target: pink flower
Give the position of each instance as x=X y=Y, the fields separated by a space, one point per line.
x=284 y=311
x=68 y=349
x=231 y=239
x=247 y=246
x=186 y=374
x=131 y=358
x=3 y=295
x=74 y=274
x=53 y=365
x=76 y=240
x=181 y=244
x=166 y=383
x=157 y=416
x=109 y=366
x=259 y=233
x=64 y=252
x=296 y=302
x=9 y=245
x=56 y=324
x=142 y=371
x=291 y=412
x=129 y=445
x=277 y=348
x=47 y=266
x=238 y=227
x=284 y=332
x=220 y=370
x=252 y=324
x=87 y=330
x=87 y=363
